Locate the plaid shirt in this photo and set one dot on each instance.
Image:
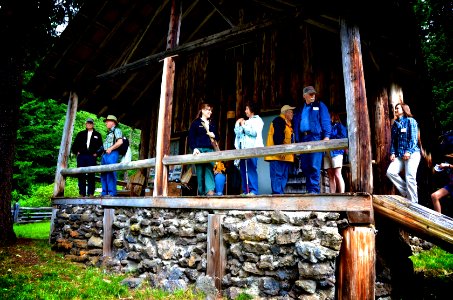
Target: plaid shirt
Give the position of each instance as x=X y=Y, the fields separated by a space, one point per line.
x=111 y=138
x=404 y=136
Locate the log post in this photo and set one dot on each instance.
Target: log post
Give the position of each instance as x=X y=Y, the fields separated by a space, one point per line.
x=216 y=260
x=109 y=215
x=356 y=278
x=166 y=103
x=65 y=146
x=356 y=275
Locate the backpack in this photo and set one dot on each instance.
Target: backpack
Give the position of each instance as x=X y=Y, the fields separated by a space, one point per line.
x=124 y=146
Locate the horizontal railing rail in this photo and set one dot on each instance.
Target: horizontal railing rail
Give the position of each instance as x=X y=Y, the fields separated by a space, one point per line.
x=225 y=155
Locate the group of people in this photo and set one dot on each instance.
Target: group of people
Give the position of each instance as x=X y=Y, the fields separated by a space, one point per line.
x=88 y=146
x=309 y=122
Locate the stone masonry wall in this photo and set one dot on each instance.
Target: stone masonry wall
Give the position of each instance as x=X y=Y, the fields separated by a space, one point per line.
x=270 y=254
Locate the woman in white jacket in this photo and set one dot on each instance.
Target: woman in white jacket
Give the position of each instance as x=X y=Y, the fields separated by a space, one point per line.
x=249 y=134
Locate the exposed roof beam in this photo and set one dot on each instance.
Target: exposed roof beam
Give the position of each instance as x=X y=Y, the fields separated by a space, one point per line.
x=217 y=39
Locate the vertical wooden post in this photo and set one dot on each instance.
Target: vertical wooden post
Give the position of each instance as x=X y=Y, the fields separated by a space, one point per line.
x=357 y=265
x=357 y=275
x=166 y=103
x=356 y=109
x=216 y=260
x=107 y=224
x=65 y=145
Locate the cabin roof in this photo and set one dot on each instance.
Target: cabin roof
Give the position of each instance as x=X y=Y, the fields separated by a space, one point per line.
x=112 y=34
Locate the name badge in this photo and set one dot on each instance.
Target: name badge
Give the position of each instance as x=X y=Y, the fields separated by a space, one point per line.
x=315 y=108
x=403 y=130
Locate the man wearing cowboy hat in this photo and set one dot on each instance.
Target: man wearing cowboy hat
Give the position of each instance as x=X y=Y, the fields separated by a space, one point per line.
x=113 y=140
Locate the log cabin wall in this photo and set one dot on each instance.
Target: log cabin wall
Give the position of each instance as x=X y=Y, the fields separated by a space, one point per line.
x=270 y=70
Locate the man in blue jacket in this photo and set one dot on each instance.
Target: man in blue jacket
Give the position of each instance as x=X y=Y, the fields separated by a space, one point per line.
x=311 y=123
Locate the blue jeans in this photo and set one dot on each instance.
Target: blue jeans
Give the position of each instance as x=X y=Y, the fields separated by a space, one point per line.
x=311 y=166
x=279 y=171
x=249 y=175
x=407 y=186
x=219 y=183
x=108 y=179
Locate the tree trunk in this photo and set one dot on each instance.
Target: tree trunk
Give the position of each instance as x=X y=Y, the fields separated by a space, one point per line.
x=10 y=96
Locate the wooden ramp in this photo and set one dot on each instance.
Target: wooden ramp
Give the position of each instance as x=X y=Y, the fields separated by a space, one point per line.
x=417 y=219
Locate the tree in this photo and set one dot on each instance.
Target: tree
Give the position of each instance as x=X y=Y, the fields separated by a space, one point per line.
x=435 y=19
x=27 y=29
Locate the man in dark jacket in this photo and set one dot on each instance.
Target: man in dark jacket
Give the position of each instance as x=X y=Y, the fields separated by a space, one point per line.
x=86 y=145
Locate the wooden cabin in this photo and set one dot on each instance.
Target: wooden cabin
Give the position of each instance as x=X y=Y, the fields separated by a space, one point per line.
x=151 y=63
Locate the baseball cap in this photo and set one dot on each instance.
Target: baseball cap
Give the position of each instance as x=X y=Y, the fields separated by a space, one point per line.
x=286 y=107
x=89 y=120
x=309 y=89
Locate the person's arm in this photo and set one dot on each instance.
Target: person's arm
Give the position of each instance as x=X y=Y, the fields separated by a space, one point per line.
x=392 y=139
x=344 y=131
x=75 y=145
x=326 y=125
x=445 y=166
x=412 y=136
x=279 y=130
x=238 y=129
x=192 y=136
x=252 y=127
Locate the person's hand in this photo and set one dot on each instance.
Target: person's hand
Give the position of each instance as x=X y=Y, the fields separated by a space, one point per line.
x=406 y=156
x=392 y=157
x=240 y=121
x=196 y=151
x=444 y=166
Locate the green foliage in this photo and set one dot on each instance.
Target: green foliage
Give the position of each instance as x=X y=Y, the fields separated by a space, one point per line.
x=436 y=37
x=244 y=296
x=38 y=142
x=40 y=197
x=435 y=261
x=41 y=194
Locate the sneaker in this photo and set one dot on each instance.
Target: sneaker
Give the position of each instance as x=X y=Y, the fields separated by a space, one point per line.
x=251 y=194
x=210 y=193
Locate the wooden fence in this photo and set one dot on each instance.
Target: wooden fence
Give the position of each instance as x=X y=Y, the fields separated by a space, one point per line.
x=22 y=215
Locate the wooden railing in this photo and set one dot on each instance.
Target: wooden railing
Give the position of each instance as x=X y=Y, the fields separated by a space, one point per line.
x=226 y=155
x=23 y=215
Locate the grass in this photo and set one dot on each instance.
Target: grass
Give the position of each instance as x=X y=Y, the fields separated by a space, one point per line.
x=31 y=270
x=433 y=262
x=38 y=231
